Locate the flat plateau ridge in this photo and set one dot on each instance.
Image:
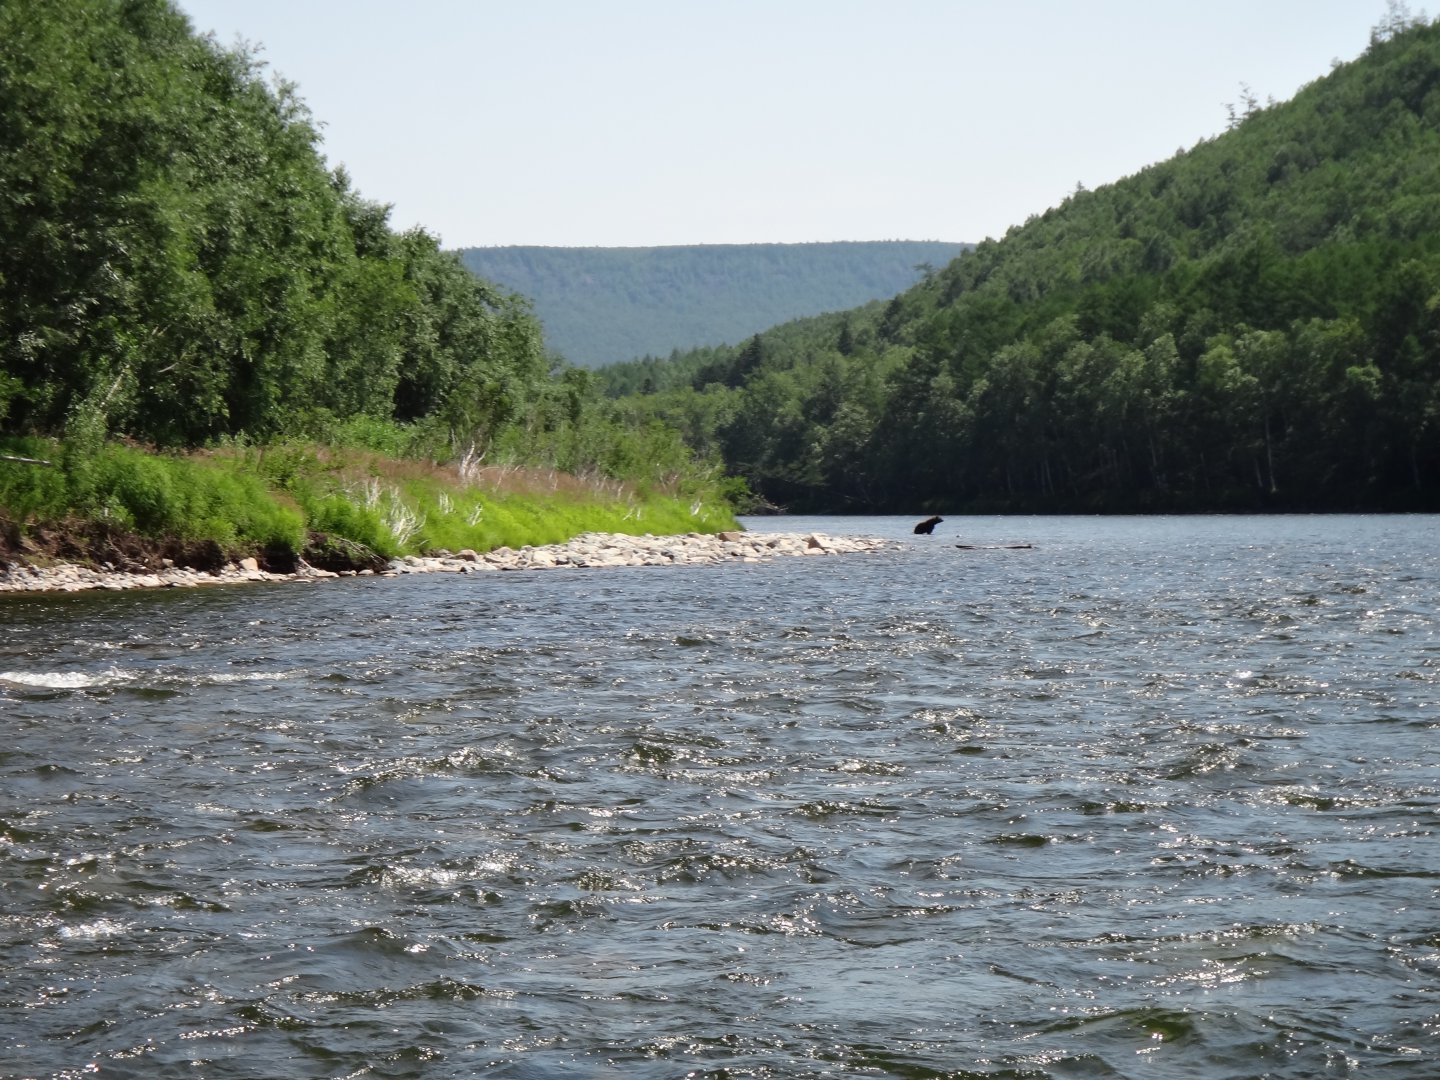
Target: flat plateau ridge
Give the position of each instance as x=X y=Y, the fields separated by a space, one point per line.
x=603 y=305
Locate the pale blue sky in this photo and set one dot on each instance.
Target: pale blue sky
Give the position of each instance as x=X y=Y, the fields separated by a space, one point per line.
x=648 y=122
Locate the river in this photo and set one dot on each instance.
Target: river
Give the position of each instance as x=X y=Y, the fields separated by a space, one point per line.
x=1151 y=797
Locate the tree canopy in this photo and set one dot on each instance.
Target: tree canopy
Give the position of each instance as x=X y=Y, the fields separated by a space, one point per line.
x=179 y=264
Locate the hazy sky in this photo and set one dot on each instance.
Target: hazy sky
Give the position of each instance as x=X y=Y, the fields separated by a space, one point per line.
x=647 y=122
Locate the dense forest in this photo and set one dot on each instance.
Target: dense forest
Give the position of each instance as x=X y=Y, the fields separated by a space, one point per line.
x=178 y=263
x=1253 y=324
x=600 y=305
x=181 y=270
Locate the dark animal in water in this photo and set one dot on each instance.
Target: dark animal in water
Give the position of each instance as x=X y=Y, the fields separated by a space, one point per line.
x=926 y=527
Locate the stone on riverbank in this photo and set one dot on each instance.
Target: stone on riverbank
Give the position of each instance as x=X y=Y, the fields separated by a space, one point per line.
x=591 y=550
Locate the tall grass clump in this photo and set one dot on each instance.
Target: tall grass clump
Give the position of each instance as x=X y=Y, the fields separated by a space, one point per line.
x=192 y=499
x=32 y=492
x=339 y=515
x=153 y=495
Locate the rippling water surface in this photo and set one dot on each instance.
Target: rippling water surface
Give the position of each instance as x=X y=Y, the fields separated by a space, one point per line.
x=1153 y=798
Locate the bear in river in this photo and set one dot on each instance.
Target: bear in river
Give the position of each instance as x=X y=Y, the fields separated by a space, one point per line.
x=926 y=527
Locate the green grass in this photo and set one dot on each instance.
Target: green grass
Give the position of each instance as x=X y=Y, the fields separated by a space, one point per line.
x=251 y=498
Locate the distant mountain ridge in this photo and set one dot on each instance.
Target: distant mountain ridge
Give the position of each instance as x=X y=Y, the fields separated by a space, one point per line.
x=604 y=304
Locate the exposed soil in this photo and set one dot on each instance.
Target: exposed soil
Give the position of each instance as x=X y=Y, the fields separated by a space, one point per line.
x=96 y=544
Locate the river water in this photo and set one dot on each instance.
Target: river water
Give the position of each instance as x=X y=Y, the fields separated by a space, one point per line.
x=1151 y=798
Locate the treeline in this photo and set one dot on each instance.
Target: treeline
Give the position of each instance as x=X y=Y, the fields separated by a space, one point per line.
x=179 y=267
x=601 y=305
x=1253 y=324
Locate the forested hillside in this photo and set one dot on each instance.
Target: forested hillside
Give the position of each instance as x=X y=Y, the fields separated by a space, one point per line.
x=600 y=305
x=1253 y=324
x=180 y=269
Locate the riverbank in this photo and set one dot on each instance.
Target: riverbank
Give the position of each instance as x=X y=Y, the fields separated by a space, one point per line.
x=588 y=551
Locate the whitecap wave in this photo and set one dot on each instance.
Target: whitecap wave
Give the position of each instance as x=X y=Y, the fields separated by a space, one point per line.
x=65 y=680
x=249 y=676
x=100 y=928
x=80 y=680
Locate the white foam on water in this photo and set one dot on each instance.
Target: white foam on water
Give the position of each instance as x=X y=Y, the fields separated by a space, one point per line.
x=250 y=676
x=100 y=928
x=80 y=680
x=65 y=680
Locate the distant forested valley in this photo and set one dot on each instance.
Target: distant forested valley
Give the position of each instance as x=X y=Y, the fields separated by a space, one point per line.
x=601 y=305
x=1251 y=325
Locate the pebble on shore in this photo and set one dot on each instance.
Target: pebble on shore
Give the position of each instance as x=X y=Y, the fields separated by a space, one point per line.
x=587 y=551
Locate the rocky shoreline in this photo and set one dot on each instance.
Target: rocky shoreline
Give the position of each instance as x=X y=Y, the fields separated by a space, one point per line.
x=590 y=550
